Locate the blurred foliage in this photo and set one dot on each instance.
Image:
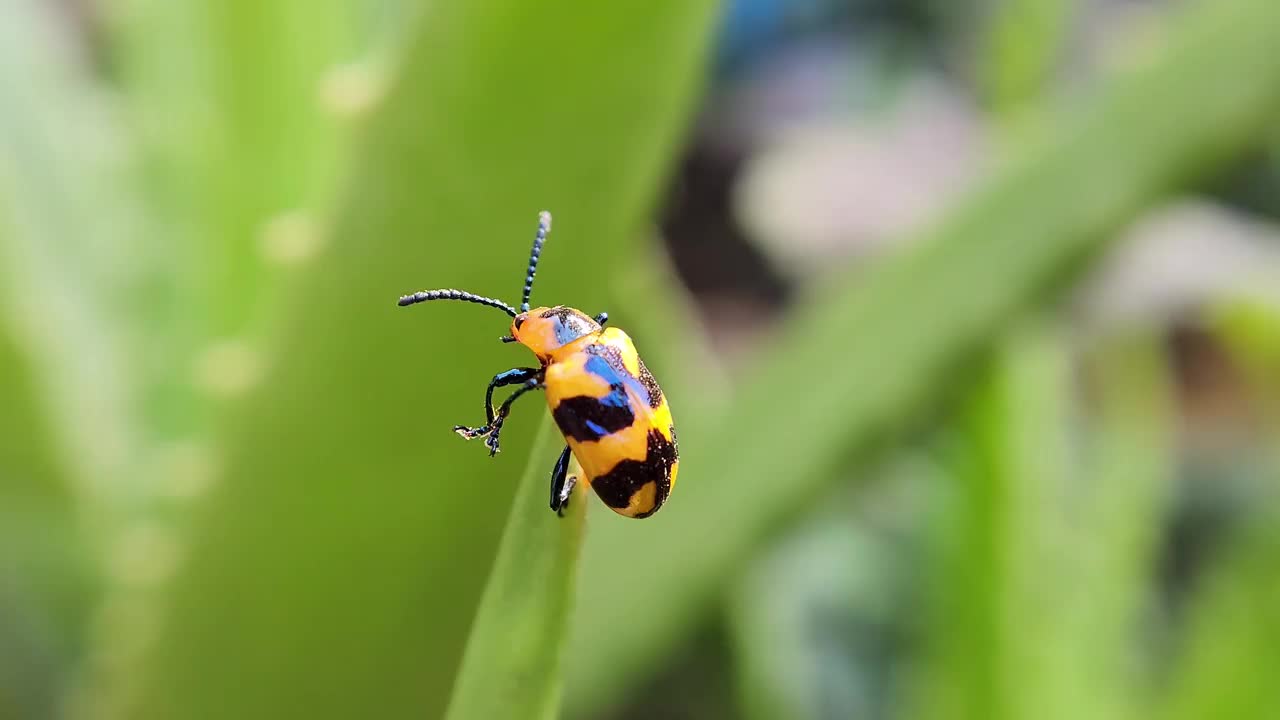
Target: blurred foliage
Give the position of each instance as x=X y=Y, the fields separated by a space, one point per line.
x=1025 y=40
x=862 y=357
x=227 y=485
x=1235 y=635
x=234 y=149
x=1046 y=527
x=45 y=580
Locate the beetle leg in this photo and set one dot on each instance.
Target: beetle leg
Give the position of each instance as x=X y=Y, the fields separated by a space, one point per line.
x=561 y=483
x=567 y=492
x=602 y=319
x=494 y=427
x=491 y=442
x=506 y=377
x=514 y=376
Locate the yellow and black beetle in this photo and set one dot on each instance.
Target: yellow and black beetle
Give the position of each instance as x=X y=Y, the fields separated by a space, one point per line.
x=612 y=413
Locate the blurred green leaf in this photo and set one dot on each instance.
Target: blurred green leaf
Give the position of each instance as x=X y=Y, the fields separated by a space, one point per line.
x=230 y=98
x=338 y=560
x=1046 y=555
x=45 y=572
x=236 y=103
x=70 y=210
x=1129 y=485
x=859 y=359
x=1228 y=663
x=1025 y=39
x=512 y=665
x=1006 y=591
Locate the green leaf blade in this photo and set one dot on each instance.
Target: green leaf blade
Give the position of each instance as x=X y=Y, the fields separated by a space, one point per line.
x=511 y=668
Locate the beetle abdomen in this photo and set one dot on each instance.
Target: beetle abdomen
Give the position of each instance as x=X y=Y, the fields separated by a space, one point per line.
x=617 y=422
x=637 y=488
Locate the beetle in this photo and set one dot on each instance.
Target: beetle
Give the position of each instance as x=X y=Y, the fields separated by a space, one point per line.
x=613 y=415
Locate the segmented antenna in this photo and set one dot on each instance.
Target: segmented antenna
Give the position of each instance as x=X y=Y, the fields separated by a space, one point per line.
x=544 y=227
x=449 y=294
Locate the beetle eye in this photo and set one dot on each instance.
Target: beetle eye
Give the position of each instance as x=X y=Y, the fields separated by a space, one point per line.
x=518 y=322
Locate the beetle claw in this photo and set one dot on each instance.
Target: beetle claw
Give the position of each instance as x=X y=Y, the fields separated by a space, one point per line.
x=491 y=442
x=566 y=494
x=471 y=433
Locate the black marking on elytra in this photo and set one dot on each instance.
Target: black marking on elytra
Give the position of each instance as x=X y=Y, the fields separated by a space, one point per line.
x=617 y=486
x=655 y=392
x=585 y=418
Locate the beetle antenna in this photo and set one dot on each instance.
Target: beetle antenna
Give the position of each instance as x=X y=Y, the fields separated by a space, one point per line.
x=544 y=227
x=448 y=294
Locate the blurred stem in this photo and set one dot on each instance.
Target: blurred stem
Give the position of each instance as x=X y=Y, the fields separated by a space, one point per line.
x=1005 y=591
x=1046 y=560
x=1129 y=490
